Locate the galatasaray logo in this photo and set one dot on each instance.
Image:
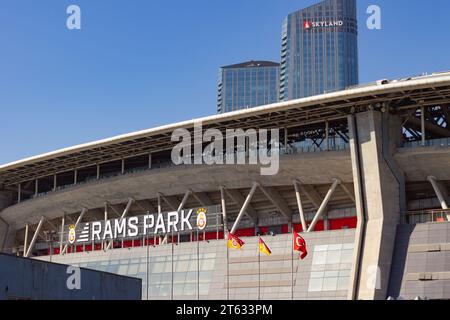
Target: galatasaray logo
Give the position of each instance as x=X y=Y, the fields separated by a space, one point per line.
x=201 y=218
x=72 y=235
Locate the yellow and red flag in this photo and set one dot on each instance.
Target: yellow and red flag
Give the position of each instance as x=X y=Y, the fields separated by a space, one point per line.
x=234 y=242
x=264 y=248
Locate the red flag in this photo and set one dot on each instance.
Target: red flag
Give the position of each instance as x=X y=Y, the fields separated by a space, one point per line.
x=300 y=245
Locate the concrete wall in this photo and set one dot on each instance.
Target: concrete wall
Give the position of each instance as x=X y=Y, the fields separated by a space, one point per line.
x=378 y=199
x=421 y=264
x=324 y=274
x=29 y=279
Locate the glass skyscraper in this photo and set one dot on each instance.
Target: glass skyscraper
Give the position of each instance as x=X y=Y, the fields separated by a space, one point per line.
x=248 y=84
x=319 y=51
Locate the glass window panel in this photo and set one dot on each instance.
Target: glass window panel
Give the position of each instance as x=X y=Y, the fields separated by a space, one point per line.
x=157 y=267
x=333 y=257
x=122 y=269
x=190 y=289
x=317 y=274
x=319 y=257
x=347 y=256
x=343 y=283
x=168 y=267
x=179 y=277
x=204 y=288
x=133 y=269
x=182 y=266
x=165 y=290
x=330 y=274
x=178 y=289
x=207 y=264
x=329 y=284
x=321 y=248
x=315 y=285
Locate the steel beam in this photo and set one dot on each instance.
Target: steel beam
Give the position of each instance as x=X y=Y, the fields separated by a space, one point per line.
x=324 y=204
x=183 y=202
x=224 y=212
x=442 y=195
x=203 y=198
x=61 y=235
x=171 y=202
x=124 y=214
x=80 y=217
x=277 y=201
x=348 y=190
x=35 y=236
x=25 y=243
x=244 y=206
x=312 y=195
x=301 y=212
x=237 y=198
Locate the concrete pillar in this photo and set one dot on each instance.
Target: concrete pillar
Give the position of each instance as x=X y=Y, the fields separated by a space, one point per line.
x=377 y=195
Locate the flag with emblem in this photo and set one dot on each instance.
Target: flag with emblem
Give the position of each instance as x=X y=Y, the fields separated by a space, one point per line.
x=234 y=242
x=264 y=248
x=300 y=245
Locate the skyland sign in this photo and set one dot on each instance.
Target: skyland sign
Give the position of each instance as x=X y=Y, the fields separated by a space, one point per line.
x=131 y=227
x=307 y=25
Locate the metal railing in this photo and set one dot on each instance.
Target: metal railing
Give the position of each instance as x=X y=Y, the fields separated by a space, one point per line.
x=444 y=142
x=425 y=216
x=298 y=148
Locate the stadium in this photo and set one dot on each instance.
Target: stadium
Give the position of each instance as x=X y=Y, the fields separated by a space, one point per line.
x=363 y=177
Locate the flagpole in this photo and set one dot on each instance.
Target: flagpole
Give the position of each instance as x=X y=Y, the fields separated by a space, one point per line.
x=198 y=267
x=228 y=274
x=292 y=267
x=172 y=265
x=148 y=282
x=259 y=268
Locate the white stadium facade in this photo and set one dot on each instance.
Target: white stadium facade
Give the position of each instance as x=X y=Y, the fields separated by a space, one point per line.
x=363 y=176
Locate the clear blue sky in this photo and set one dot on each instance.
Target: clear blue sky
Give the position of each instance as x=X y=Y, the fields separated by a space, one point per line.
x=137 y=64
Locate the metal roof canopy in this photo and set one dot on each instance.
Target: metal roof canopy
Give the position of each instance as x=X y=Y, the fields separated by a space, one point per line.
x=405 y=95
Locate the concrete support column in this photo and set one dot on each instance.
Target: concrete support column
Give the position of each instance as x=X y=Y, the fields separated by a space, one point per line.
x=224 y=212
x=35 y=236
x=377 y=195
x=25 y=242
x=300 y=205
x=324 y=205
x=61 y=236
x=441 y=193
x=244 y=207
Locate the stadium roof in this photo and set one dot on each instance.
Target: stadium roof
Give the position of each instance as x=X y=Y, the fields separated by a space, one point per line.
x=404 y=94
